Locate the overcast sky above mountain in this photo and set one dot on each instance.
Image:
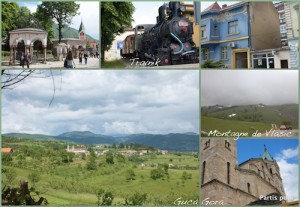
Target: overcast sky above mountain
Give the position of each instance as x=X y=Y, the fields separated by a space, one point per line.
x=105 y=102
x=240 y=87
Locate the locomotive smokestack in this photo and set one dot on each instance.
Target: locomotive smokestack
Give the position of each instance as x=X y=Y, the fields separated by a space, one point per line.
x=161 y=13
x=174 y=6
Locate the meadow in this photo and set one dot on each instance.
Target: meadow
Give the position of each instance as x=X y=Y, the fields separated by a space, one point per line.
x=222 y=125
x=64 y=178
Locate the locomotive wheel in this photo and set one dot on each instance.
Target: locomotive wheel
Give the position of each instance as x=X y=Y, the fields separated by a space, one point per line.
x=164 y=58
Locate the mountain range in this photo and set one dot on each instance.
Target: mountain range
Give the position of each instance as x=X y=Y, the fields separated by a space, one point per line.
x=184 y=142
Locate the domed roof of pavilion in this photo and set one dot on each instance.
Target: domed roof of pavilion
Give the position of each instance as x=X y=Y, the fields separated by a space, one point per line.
x=28 y=30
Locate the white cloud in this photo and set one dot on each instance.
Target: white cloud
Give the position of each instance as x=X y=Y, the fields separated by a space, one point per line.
x=107 y=102
x=289 y=172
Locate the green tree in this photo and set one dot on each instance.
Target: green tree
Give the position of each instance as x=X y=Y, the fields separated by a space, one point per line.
x=91 y=163
x=130 y=175
x=157 y=173
x=21 y=196
x=109 y=158
x=34 y=177
x=10 y=175
x=137 y=199
x=116 y=16
x=9 y=12
x=61 y=12
x=104 y=198
x=212 y=64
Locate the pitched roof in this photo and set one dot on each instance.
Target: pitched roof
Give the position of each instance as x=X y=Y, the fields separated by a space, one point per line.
x=81 y=27
x=214 y=6
x=6 y=150
x=69 y=32
x=266 y=155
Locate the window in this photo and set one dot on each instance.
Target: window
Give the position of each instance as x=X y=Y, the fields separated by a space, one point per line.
x=265 y=60
x=263 y=171
x=282 y=28
x=206 y=144
x=227 y=145
x=203 y=31
x=228 y=173
x=271 y=171
x=205 y=54
x=224 y=53
x=259 y=172
x=282 y=20
x=203 y=172
x=248 y=186
x=215 y=30
x=233 y=27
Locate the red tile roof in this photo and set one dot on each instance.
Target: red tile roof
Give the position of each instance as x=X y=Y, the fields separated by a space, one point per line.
x=6 y=150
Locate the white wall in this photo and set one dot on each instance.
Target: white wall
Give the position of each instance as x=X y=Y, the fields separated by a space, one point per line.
x=113 y=52
x=281 y=55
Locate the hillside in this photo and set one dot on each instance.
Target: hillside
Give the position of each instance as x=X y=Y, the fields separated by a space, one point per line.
x=186 y=142
x=69 y=32
x=223 y=125
x=272 y=114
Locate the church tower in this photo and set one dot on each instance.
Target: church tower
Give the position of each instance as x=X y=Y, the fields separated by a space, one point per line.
x=272 y=171
x=219 y=161
x=81 y=31
x=224 y=179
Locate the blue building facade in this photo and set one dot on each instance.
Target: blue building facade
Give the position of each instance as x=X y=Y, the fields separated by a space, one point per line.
x=233 y=33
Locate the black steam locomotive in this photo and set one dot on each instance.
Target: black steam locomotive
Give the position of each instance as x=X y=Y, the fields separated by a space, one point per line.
x=169 y=40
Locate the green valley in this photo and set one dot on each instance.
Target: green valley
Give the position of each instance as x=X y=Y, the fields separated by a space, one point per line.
x=106 y=174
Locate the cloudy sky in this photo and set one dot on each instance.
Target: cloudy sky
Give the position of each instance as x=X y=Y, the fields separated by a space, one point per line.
x=284 y=151
x=106 y=102
x=89 y=12
x=240 y=87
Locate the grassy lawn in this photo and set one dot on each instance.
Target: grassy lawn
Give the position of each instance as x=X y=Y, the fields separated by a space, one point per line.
x=113 y=64
x=222 y=125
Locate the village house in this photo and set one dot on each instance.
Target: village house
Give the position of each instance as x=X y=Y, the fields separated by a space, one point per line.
x=237 y=33
x=6 y=150
x=79 y=150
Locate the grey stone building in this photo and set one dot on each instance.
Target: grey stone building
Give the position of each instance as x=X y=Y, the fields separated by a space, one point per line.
x=225 y=182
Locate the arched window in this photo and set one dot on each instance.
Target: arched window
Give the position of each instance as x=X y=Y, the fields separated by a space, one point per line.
x=271 y=171
x=203 y=172
x=228 y=173
x=248 y=187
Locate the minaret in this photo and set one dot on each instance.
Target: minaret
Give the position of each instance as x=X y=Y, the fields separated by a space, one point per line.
x=81 y=31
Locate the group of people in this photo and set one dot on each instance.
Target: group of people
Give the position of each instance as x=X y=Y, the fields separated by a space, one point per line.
x=69 y=61
x=25 y=59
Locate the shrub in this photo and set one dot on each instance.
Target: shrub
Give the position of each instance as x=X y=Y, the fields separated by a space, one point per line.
x=137 y=199
x=157 y=173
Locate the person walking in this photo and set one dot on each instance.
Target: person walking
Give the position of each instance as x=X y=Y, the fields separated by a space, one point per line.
x=22 y=59
x=27 y=59
x=80 y=57
x=70 y=60
x=85 y=57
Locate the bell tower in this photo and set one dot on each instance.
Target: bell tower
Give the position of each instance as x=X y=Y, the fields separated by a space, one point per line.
x=219 y=161
x=81 y=31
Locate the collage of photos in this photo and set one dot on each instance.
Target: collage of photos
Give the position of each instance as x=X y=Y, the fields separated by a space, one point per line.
x=150 y=103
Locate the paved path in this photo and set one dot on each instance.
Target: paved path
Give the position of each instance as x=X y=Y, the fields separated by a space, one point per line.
x=92 y=63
